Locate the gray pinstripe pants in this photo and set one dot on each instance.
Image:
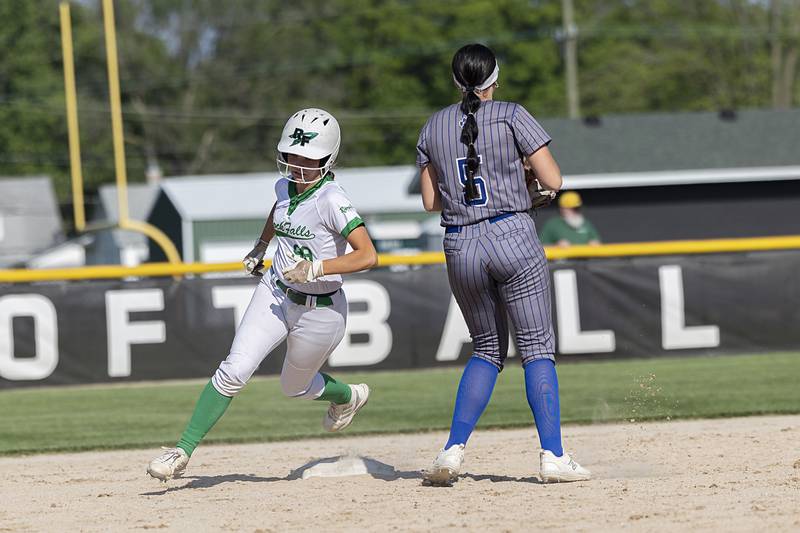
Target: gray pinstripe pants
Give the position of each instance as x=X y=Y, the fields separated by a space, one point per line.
x=498 y=269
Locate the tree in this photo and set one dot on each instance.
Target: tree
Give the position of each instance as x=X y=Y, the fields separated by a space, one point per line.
x=660 y=55
x=207 y=85
x=784 y=49
x=32 y=131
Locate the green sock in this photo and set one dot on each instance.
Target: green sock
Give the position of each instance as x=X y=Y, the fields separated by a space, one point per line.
x=335 y=391
x=209 y=408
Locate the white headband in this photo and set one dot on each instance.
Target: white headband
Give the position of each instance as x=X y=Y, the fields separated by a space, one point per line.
x=486 y=84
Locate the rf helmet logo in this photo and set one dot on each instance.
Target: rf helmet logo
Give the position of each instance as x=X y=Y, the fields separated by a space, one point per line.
x=300 y=137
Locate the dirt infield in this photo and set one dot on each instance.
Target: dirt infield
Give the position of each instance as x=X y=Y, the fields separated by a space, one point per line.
x=738 y=474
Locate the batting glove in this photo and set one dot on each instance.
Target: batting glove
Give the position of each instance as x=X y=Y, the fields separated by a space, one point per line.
x=254 y=261
x=302 y=271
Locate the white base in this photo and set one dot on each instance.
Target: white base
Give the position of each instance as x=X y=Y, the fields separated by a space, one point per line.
x=344 y=465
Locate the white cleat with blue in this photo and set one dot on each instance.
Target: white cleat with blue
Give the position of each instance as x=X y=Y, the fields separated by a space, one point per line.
x=447 y=466
x=562 y=469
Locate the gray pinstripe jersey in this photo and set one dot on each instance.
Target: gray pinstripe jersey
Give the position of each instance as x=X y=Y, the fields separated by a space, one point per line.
x=506 y=133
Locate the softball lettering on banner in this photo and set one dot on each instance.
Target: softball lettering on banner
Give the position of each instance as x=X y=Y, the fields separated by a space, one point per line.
x=165 y=329
x=372 y=323
x=571 y=339
x=123 y=332
x=44 y=356
x=674 y=332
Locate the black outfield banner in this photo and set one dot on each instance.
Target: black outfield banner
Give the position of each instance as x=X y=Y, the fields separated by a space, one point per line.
x=102 y=331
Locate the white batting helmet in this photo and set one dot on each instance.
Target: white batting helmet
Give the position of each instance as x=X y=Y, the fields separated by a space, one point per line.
x=311 y=133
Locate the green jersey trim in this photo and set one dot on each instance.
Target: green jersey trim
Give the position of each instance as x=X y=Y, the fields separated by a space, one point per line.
x=353 y=224
x=295 y=199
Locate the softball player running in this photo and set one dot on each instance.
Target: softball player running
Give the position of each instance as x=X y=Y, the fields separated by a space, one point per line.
x=299 y=299
x=472 y=157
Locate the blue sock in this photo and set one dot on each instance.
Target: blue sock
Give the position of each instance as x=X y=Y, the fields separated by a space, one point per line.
x=541 y=388
x=474 y=391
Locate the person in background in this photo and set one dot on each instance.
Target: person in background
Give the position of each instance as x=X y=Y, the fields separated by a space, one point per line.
x=570 y=227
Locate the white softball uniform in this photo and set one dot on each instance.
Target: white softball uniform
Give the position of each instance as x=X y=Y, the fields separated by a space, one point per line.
x=313 y=224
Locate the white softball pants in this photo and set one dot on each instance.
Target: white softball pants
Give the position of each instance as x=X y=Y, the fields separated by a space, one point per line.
x=311 y=335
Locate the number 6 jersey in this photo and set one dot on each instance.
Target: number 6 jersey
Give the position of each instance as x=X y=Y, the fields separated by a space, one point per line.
x=313 y=224
x=506 y=134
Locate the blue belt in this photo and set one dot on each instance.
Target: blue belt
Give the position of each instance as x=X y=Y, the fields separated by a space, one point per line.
x=492 y=220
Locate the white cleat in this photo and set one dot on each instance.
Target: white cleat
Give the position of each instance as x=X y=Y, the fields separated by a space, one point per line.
x=339 y=416
x=447 y=466
x=170 y=464
x=554 y=469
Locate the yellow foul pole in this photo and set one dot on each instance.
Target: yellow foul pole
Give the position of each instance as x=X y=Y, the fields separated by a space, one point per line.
x=119 y=144
x=116 y=110
x=72 y=118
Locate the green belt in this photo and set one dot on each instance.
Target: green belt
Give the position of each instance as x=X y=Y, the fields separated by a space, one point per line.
x=300 y=298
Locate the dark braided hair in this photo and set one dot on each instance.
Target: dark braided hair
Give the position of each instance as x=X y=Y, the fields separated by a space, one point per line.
x=472 y=65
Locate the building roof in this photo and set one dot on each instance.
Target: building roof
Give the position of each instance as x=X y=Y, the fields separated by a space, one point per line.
x=222 y=196
x=675 y=141
x=680 y=177
x=247 y=196
x=141 y=197
x=380 y=189
x=29 y=218
x=675 y=148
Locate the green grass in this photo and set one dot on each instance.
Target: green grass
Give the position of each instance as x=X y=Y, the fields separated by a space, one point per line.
x=96 y=417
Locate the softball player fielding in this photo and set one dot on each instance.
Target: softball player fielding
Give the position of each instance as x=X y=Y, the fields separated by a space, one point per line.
x=299 y=299
x=473 y=157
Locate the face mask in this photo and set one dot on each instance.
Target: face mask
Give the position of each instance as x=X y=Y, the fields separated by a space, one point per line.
x=297 y=173
x=574 y=220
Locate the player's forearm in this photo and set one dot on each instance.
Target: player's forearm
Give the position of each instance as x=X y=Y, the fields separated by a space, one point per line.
x=253 y=261
x=435 y=205
x=431 y=198
x=546 y=169
x=355 y=261
x=269 y=228
x=431 y=202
